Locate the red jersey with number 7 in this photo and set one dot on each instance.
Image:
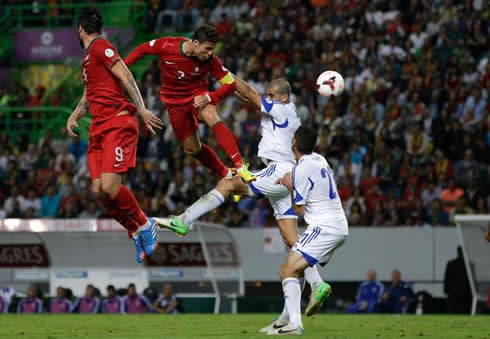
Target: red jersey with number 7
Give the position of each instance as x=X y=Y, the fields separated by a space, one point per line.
x=105 y=94
x=183 y=77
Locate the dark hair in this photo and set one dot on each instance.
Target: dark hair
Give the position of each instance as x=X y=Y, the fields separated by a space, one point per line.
x=90 y=20
x=111 y=287
x=305 y=139
x=132 y=285
x=205 y=33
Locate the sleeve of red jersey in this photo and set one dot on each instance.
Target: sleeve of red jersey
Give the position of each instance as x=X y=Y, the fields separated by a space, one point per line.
x=224 y=77
x=105 y=53
x=153 y=47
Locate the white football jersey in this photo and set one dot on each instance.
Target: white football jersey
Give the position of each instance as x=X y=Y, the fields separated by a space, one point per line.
x=278 y=124
x=314 y=186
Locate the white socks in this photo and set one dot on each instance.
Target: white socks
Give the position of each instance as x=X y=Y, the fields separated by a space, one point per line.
x=202 y=206
x=292 y=300
x=284 y=317
x=313 y=277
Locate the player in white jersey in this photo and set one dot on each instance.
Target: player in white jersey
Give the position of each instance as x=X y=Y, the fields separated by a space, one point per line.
x=278 y=124
x=314 y=195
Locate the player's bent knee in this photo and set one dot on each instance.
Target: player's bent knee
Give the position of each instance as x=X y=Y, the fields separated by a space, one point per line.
x=108 y=189
x=225 y=187
x=192 y=150
x=286 y=271
x=95 y=188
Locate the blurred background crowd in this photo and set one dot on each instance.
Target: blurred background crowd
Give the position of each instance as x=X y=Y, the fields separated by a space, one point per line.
x=408 y=139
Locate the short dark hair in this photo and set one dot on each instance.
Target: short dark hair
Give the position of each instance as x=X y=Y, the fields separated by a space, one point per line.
x=305 y=139
x=111 y=287
x=90 y=20
x=132 y=285
x=205 y=33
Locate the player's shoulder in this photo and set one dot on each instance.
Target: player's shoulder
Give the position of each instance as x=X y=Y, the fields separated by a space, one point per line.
x=103 y=46
x=101 y=43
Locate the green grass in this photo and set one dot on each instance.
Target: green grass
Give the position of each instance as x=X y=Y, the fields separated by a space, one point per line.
x=239 y=326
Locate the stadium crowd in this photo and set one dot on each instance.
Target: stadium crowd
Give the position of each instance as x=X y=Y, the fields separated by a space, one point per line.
x=408 y=139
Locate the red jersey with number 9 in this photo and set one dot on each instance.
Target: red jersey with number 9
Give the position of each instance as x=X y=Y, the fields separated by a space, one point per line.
x=183 y=77
x=105 y=94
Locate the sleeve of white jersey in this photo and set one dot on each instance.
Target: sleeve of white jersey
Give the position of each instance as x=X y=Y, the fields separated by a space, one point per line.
x=273 y=109
x=301 y=185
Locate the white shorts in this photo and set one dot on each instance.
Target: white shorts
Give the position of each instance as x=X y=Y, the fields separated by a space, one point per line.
x=317 y=246
x=278 y=195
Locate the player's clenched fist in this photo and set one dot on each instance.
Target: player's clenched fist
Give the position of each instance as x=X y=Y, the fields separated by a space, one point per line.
x=151 y=120
x=70 y=124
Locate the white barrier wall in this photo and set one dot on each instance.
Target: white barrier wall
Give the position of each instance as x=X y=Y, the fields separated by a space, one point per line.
x=102 y=257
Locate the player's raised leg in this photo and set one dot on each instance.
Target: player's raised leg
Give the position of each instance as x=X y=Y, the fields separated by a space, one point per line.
x=206 y=155
x=206 y=203
x=226 y=140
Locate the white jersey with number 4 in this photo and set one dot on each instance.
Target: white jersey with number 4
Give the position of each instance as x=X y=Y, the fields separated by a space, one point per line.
x=314 y=186
x=278 y=124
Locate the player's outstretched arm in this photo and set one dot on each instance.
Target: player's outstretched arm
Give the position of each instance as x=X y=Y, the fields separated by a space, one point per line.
x=141 y=51
x=121 y=71
x=81 y=110
x=225 y=78
x=247 y=93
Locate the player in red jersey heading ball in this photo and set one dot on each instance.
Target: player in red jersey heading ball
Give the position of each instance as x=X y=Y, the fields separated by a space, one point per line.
x=113 y=131
x=185 y=64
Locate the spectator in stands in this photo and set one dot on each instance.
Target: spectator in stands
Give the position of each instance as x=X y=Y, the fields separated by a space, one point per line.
x=50 y=203
x=368 y=295
x=78 y=148
x=112 y=304
x=88 y=303
x=450 y=196
x=167 y=302
x=31 y=304
x=60 y=304
x=4 y=305
x=457 y=285
x=397 y=296
x=134 y=303
x=436 y=216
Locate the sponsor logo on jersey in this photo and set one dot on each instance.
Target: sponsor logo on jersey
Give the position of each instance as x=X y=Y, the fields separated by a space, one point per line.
x=196 y=69
x=169 y=62
x=152 y=43
x=109 y=53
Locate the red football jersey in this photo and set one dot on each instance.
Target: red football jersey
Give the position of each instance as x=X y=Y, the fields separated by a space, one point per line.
x=105 y=94
x=183 y=77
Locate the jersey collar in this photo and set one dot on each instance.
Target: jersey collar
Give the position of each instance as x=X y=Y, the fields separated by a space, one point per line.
x=92 y=42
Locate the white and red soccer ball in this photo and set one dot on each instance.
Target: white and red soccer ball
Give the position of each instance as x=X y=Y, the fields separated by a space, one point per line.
x=330 y=83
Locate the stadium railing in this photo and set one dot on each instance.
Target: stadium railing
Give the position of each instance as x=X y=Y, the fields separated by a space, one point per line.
x=36 y=121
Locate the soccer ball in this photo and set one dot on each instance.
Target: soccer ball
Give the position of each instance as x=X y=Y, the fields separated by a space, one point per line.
x=330 y=82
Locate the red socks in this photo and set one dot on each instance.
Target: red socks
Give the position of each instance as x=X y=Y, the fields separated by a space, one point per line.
x=125 y=209
x=209 y=158
x=227 y=142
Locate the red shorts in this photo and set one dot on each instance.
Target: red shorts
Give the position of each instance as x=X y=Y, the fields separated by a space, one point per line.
x=113 y=148
x=183 y=119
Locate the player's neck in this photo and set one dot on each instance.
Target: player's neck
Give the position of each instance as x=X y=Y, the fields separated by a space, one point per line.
x=187 y=48
x=87 y=40
x=298 y=155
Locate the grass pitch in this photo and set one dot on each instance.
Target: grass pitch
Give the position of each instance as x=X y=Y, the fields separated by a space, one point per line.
x=239 y=326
